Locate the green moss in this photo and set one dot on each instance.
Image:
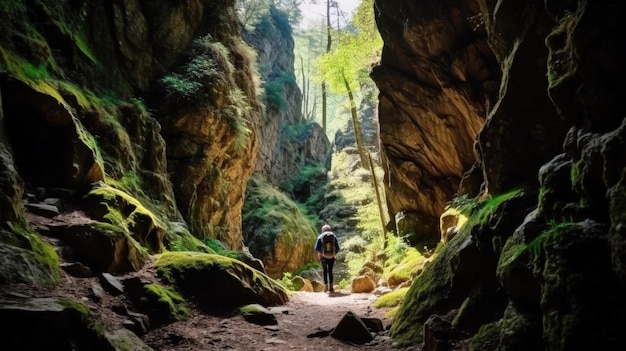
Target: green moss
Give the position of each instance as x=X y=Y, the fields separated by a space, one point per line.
x=489 y=206
x=429 y=294
x=487 y=338
x=173 y=302
x=297 y=282
x=273 y=216
x=77 y=38
x=45 y=255
x=82 y=310
x=190 y=260
x=391 y=314
x=26 y=257
x=189 y=270
x=411 y=264
x=536 y=246
x=391 y=299
x=178 y=238
x=252 y=308
x=112 y=194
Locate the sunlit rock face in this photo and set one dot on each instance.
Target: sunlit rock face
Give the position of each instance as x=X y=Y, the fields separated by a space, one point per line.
x=437 y=78
x=286 y=140
x=211 y=137
x=84 y=102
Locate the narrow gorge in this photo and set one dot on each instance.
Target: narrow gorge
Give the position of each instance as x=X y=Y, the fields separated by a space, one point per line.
x=164 y=144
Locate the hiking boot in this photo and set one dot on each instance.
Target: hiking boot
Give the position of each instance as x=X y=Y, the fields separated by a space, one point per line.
x=326 y=288
x=331 y=289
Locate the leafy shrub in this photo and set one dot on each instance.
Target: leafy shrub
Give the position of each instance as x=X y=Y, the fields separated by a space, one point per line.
x=287 y=282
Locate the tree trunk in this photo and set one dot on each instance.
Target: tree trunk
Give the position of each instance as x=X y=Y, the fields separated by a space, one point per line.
x=357 y=126
x=328 y=44
x=305 y=98
x=379 y=201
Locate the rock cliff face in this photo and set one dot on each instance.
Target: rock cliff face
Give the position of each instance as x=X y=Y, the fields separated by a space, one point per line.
x=282 y=237
x=142 y=116
x=540 y=265
x=437 y=78
x=287 y=140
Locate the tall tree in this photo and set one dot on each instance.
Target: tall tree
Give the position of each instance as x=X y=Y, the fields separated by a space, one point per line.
x=329 y=40
x=346 y=67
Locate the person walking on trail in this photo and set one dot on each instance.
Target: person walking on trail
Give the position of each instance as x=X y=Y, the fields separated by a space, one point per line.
x=327 y=247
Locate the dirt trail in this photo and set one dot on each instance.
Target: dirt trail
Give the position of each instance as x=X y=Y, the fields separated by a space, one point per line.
x=305 y=314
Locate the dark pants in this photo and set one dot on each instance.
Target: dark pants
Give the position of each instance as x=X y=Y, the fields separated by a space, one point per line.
x=327 y=264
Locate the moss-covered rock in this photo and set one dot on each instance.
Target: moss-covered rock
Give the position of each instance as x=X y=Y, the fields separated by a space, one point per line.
x=24 y=257
x=301 y=284
x=218 y=283
x=55 y=324
x=410 y=267
x=33 y=262
x=105 y=247
x=114 y=206
x=166 y=304
x=391 y=299
x=277 y=231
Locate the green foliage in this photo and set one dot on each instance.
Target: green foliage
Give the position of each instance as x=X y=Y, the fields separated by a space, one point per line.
x=287 y=282
x=354 y=53
x=274 y=89
x=274 y=94
x=281 y=20
x=310 y=176
x=179 y=87
x=257 y=13
x=463 y=204
x=12 y=8
x=206 y=79
x=396 y=250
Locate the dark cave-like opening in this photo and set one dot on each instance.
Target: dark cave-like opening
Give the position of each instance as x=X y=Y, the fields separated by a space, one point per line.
x=40 y=136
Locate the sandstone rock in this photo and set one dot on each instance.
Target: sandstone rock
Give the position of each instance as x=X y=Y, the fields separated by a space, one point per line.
x=363 y=284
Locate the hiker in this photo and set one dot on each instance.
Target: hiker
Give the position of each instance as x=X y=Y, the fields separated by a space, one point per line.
x=327 y=247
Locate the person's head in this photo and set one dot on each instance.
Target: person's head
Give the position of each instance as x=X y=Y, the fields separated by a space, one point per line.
x=325 y=228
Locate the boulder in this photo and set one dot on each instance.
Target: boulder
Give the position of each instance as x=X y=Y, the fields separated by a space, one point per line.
x=363 y=284
x=105 y=247
x=352 y=329
x=257 y=314
x=217 y=283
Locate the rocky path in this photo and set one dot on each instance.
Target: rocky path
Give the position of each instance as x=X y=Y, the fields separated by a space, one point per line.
x=304 y=323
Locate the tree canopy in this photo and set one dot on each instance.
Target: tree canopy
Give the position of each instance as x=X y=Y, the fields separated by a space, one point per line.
x=358 y=46
x=251 y=11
